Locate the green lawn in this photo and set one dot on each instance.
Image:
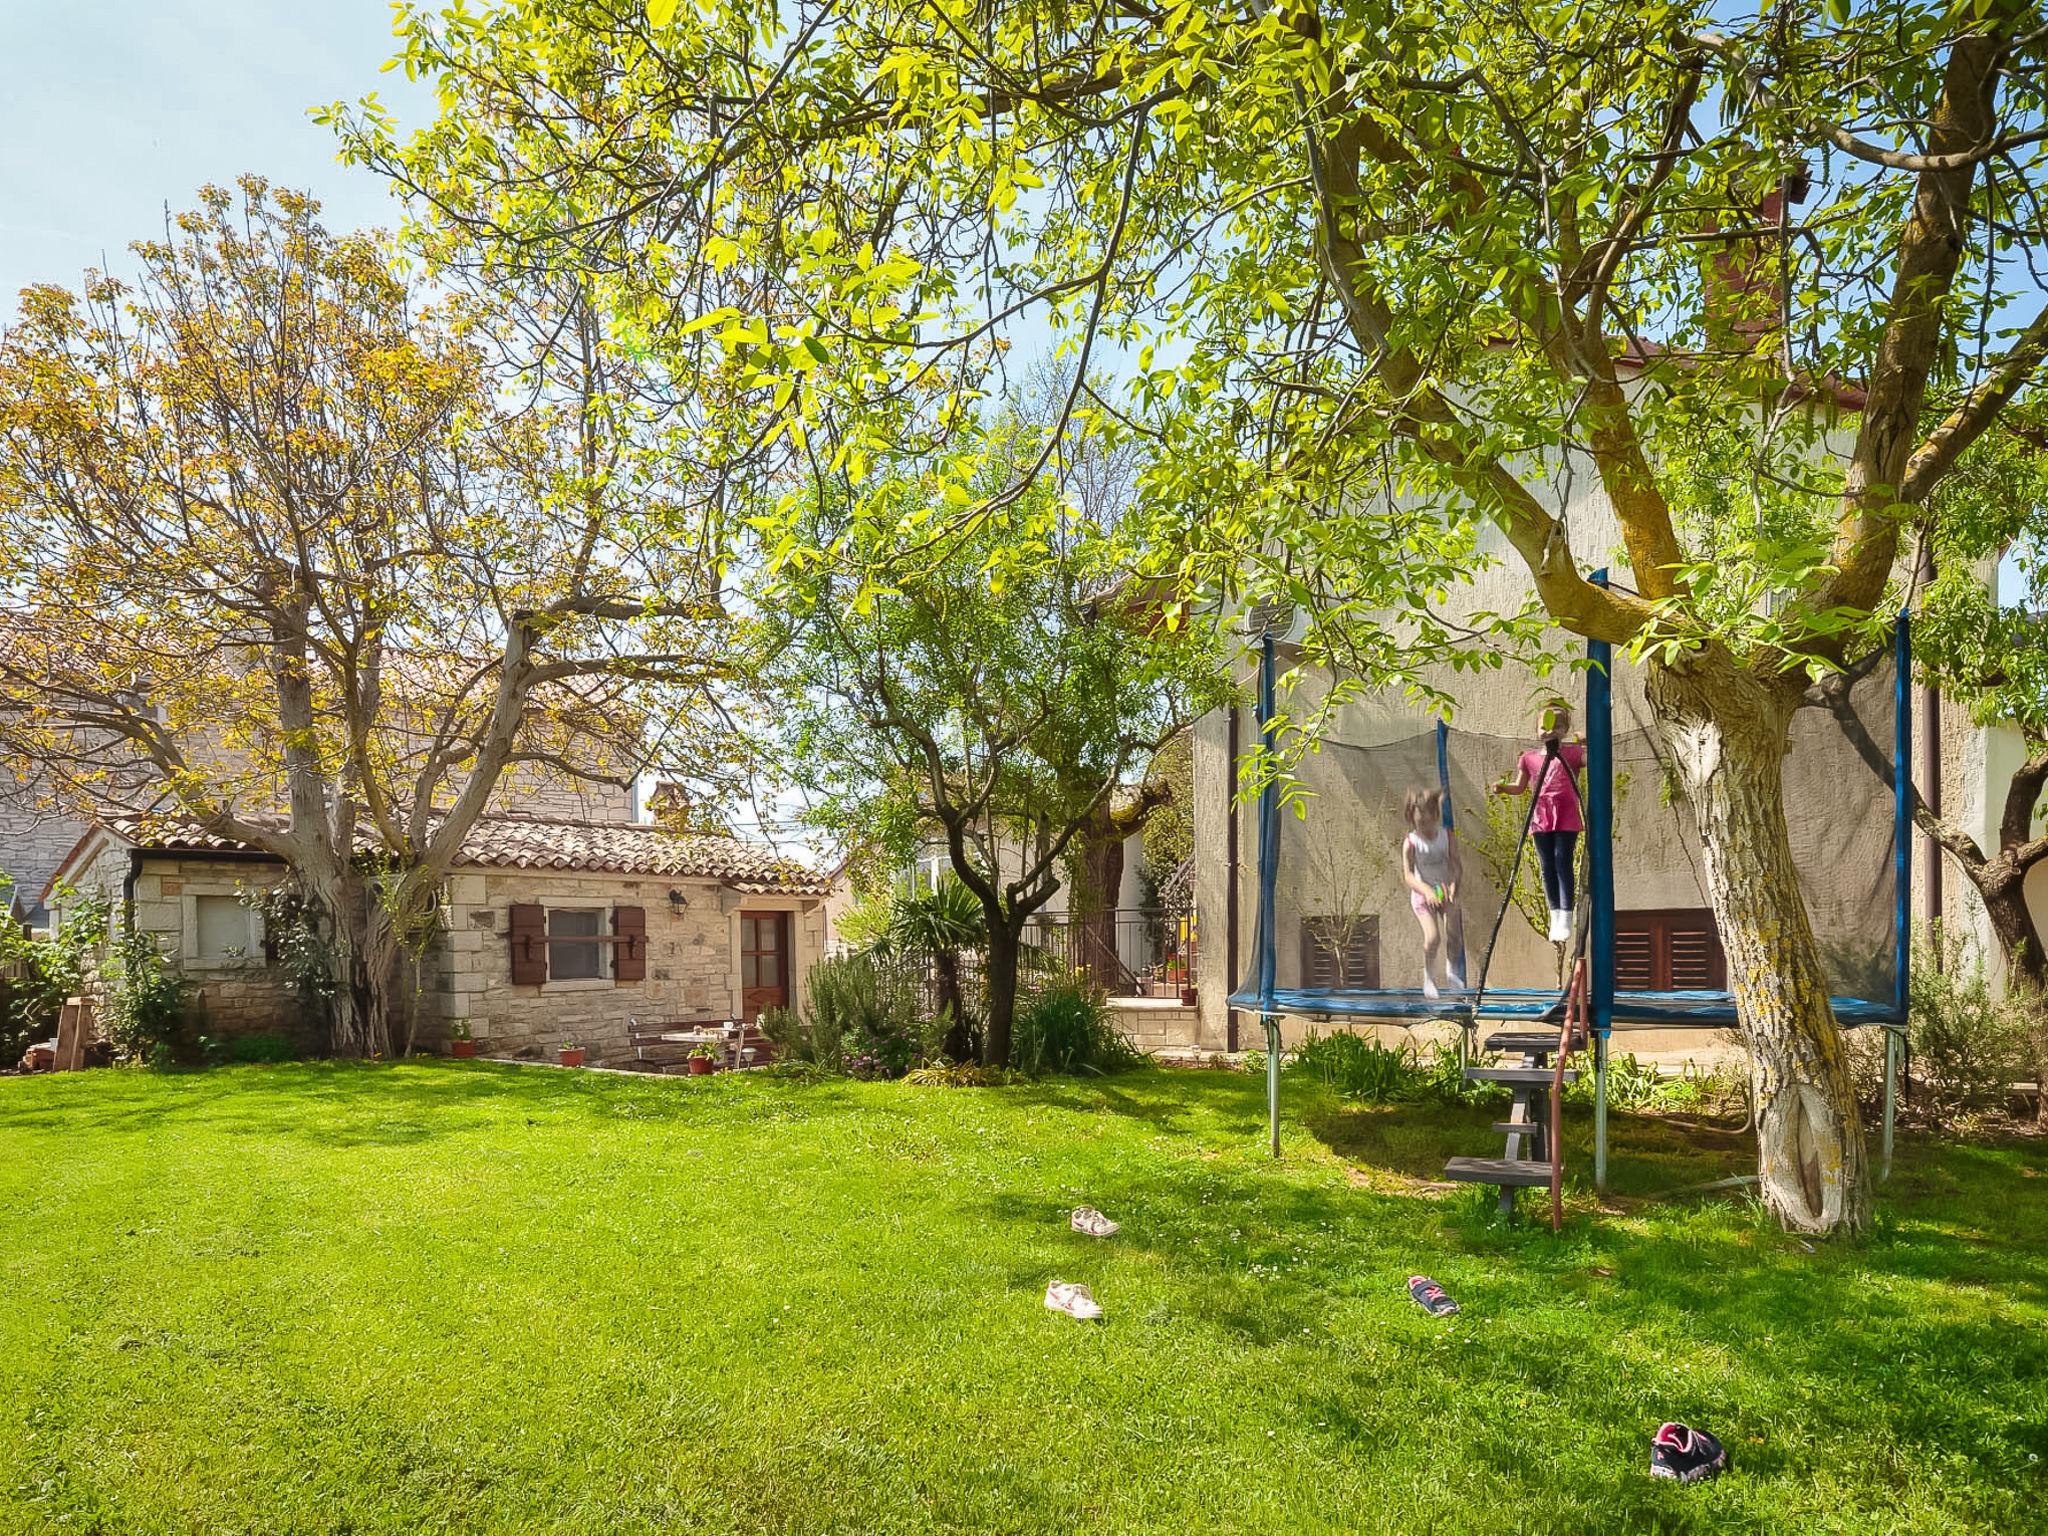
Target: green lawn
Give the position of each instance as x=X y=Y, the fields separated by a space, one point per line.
x=470 y=1298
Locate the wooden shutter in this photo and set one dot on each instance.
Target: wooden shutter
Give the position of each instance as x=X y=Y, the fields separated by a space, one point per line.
x=1670 y=949
x=1340 y=952
x=1635 y=954
x=629 y=947
x=528 y=935
x=1697 y=961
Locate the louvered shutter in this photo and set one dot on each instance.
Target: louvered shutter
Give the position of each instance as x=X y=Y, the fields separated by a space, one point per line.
x=1697 y=962
x=629 y=952
x=1635 y=955
x=527 y=933
x=1340 y=952
x=1675 y=949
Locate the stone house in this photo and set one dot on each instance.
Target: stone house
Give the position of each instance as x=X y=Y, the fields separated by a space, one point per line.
x=553 y=928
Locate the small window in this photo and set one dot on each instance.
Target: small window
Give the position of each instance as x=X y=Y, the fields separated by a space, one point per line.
x=576 y=949
x=1673 y=949
x=1340 y=952
x=225 y=932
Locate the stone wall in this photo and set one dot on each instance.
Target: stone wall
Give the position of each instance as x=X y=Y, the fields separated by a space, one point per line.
x=242 y=995
x=236 y=995
x=35 y=836
x=693 y=961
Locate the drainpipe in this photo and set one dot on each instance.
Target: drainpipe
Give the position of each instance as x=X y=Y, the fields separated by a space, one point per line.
x=128 y=888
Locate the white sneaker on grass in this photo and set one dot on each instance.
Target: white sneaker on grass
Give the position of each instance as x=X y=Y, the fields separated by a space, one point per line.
x=1093 y=1223
x=1074 y=1300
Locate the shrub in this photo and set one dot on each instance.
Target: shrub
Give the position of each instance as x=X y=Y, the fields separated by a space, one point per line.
x=965 y=1074
x=36 y=975
x=861 y=1019
x=148 y=1013
x=1359 y=1068
x=1065 y=1028
x=1966 y=1045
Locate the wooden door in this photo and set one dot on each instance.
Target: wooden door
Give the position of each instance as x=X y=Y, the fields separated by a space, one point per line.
x=764 y=962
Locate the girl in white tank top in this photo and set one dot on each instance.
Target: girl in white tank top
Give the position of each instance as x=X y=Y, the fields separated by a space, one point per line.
x=1431 y=869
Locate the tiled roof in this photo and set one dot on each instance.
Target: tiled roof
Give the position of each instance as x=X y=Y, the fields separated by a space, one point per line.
x=535 y=842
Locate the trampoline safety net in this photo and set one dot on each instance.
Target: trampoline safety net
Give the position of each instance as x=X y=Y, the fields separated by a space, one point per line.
x=1347 y=938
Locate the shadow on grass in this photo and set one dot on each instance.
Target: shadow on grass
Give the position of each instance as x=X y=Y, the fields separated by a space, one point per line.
x=1694 y=1307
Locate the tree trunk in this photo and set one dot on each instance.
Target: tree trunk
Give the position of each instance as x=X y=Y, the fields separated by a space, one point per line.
x=1728 y=731
x=364 y=952
x=1002 y=990
x=946 y=962
x=1098 y=870
x=2003 y=887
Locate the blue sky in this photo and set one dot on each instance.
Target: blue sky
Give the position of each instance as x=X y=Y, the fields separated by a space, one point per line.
x=114 y=110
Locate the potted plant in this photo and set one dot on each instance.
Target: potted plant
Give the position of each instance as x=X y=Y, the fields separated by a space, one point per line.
x=572 y=1053
x=461 y=1044
x=702 y=1060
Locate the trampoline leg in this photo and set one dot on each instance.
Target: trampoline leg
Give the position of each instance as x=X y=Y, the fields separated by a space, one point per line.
x=1600 y=1114
x=1273 y=1081
x=1891 y=1047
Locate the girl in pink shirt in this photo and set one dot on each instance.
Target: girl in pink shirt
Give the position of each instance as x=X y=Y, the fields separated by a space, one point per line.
x=1559 y=816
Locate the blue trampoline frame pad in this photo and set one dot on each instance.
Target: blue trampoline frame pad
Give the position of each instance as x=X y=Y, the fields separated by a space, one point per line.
x=1677 y=1010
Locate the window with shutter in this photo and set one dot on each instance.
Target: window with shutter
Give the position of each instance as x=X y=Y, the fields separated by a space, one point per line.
x=1340 y=952
x=1669 y=949
x=575 y=944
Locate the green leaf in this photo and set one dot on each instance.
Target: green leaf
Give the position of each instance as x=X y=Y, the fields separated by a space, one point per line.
x=660 y=13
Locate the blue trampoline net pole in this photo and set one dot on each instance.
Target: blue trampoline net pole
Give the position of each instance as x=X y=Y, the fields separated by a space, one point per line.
x=1600 y=874
x=1269 y=872
x=1902 y=870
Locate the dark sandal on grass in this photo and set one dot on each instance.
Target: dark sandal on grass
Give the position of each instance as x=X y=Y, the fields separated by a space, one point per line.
x=1431 y=1297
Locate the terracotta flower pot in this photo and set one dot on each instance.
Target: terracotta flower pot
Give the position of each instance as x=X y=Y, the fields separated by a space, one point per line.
x=700 y=1066
x=1187 y=997
x=462 y=1050
x=572 y=1056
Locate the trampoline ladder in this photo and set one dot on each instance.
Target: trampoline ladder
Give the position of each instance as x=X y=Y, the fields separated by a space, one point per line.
x=1525 y=1162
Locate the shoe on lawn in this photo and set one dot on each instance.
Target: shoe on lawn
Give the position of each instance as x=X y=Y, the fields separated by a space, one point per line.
x=1092 y=1222
x=1431 y=1297
x=1074 y=1300
x=1686 y=1455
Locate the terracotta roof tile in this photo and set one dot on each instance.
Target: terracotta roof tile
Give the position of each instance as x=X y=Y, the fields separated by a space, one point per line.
x=534 y=842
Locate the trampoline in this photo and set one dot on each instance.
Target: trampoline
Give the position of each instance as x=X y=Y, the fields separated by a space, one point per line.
x=1335 y=938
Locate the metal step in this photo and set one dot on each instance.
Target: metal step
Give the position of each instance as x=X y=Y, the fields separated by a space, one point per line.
x=1529 y=1075
x=1517 y=1042
x=1506 y=1172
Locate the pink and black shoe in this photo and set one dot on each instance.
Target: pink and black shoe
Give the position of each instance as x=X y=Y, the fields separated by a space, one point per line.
x=1431 y=1297
x=1686 y=1455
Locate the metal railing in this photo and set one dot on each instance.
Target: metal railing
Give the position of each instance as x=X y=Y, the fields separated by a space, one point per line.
x=1128 y=951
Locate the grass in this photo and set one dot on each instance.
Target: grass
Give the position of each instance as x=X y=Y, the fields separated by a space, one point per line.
x=455 y=1297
